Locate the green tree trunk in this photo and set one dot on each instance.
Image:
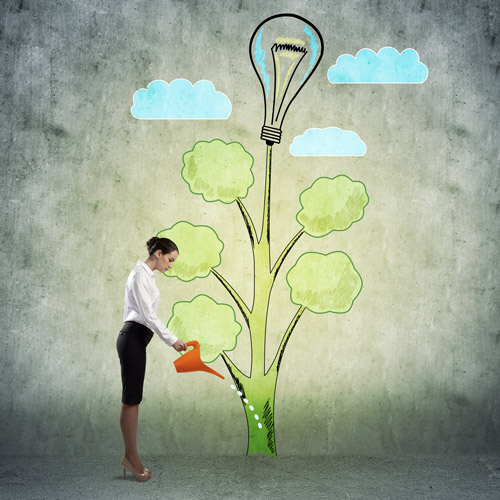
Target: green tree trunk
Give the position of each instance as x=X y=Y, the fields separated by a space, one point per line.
x=259 y=389
x=260 y=395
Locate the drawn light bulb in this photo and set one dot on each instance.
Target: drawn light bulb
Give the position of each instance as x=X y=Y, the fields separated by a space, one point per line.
x=285 y=50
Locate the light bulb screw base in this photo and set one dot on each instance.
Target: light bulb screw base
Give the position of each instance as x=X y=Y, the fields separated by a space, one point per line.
x=271 y=135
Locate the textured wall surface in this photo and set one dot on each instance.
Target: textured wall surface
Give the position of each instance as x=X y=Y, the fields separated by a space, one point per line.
x=412 y=368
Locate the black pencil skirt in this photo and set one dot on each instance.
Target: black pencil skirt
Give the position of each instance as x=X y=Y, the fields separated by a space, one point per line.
x=131 y=346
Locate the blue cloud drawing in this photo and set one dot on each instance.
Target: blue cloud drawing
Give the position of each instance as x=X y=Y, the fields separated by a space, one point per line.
x=388 y=66
x=181 y=100
x=331 y=141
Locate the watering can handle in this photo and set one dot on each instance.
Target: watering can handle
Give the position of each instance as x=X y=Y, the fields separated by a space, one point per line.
x=193 y=343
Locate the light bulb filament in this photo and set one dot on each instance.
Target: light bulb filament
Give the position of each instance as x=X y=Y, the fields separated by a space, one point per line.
x=288 y=46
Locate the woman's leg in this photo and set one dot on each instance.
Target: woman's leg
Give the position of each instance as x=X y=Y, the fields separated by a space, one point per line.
x=131 y=345
x=129 y=417
x=128 y=422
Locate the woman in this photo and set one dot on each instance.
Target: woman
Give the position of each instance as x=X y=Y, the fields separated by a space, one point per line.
x=141 y=304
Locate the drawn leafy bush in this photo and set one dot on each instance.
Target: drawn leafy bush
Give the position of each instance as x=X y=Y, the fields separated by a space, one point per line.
x=199 y=250
x=332 y=205
x=213 y=325
x=218 y=171
x=324 y=283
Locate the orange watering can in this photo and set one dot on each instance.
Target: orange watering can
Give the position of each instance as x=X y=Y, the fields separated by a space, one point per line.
x=191 y=361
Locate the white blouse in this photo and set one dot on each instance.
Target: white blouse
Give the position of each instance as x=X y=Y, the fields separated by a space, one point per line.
x=141 y=302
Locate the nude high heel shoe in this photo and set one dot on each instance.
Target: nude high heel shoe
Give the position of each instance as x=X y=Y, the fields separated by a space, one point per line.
x=139 y=476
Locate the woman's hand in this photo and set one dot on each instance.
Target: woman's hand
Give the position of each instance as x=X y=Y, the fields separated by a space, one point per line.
x=180 y=345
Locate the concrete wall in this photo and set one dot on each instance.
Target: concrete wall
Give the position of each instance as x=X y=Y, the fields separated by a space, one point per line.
x=412 y=368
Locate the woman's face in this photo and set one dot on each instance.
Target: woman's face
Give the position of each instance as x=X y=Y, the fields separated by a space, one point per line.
x=166 y=260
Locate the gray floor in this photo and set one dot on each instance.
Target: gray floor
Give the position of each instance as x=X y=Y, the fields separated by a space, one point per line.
x=254 y=478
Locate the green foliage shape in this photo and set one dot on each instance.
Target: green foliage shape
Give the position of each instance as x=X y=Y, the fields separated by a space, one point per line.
x=199 y=250
x=332 y=204
x=218 y=171
x=213 y=325
x=324 y=282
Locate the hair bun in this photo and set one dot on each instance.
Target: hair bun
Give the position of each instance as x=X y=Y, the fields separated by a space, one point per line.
x=151 y=242
x=163 y=244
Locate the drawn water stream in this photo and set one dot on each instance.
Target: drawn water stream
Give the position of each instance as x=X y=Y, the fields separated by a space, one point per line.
x=240 y=394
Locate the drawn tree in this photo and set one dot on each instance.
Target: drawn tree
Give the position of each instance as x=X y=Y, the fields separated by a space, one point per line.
x=321 y=283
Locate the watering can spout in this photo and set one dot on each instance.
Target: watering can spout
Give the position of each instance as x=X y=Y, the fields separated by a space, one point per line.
x=191 y=361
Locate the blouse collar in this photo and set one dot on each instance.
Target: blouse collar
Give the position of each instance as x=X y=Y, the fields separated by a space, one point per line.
x=146 y=267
